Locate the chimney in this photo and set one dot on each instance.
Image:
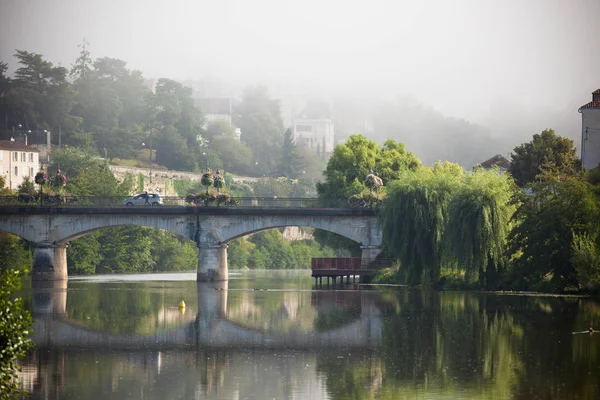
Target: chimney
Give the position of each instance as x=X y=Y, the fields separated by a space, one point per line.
x=596 y=96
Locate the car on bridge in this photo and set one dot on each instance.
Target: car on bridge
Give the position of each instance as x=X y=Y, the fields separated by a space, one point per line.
x=144 y=199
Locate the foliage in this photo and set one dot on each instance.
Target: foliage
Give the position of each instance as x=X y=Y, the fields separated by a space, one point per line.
x=413 y=220
x=546 y=150
x=346 y=172
x=207 y=179
x=258 y=116
x=89 y=175
x=373 y=182
x=219 y=181
x=130 y=250
x=479 y=221
x=230 y=154
x=268 y=250
x=553 y=219
x=41 y=178
x=586 y=260
x=352 y=161
x=27 y=187
x=291 y=162
x=15 y=321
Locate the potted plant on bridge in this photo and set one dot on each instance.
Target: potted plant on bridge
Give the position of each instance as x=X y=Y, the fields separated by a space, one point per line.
x=219 y=182
x=59 y=180
x=207 y=180
x=373 y=182
x=41 y=178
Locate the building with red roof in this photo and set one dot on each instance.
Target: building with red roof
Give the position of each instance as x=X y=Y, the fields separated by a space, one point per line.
x=590 y=132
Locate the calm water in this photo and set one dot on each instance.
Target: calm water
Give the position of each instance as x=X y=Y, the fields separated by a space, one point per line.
x=273 y=336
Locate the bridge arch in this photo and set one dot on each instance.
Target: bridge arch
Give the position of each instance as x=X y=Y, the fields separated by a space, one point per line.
x=361 y=230
x=77 y=235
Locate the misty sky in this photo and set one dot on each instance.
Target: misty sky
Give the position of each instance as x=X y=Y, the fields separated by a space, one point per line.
x=462 y=57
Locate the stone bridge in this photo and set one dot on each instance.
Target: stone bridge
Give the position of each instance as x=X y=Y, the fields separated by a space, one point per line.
x=51 y=228
x=209 y=328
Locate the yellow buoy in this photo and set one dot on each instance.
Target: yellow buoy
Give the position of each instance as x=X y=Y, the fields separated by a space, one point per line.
x=182 y=304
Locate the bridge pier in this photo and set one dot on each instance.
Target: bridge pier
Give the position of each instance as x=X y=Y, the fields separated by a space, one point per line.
x=212 y=263
x=368 y=254
x=49 y=262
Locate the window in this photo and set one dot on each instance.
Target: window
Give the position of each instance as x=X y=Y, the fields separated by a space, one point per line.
x=16 y=171
x=30 y=157
x=30 y=171
x=23 y=157
x=304 y=128
x=1 y=155
x=15 y=156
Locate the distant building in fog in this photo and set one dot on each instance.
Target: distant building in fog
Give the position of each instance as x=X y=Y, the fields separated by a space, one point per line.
x=498 y=161
x=215 y=108
x=590 y=132
x=316 y=135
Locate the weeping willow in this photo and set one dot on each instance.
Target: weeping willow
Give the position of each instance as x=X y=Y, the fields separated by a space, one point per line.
x=445 y=218
x=413 y=220
x=479 y=221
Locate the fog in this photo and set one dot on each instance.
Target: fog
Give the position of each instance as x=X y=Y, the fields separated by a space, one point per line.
x=512 y=67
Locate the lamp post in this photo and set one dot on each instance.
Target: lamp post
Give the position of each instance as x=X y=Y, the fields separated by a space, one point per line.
x=150 y=156
x=206 y=159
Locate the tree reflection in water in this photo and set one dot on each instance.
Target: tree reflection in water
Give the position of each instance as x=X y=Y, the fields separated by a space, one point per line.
x=442 y=345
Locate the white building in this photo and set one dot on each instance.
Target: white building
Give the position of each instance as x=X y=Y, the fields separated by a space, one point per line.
x=590 y=132
x=17 y=161
x=316 y=135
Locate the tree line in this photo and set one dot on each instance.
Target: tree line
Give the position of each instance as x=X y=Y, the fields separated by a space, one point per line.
x=535 y=227
x=103 y=106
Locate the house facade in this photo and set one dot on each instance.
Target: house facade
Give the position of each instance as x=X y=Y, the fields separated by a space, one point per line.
x=590 y=132
x=316 y=135
x=18 y=161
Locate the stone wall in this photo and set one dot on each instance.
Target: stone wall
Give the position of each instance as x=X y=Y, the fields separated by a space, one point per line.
x=160 y=176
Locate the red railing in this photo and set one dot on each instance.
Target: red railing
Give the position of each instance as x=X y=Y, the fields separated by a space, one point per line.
x=349 y=263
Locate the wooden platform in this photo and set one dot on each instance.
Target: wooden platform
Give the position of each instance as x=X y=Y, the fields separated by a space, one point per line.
x=348 y=267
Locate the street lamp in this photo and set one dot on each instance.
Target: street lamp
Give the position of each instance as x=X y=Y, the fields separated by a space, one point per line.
x=150 y=156
x=206 y=159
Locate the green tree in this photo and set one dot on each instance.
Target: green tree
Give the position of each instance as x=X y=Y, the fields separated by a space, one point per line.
x=178 y=122
x=289 y=163
x=347 y=169
x=478 y=223
x=413 y=220
x=87 y=174
x=352 y=161
x=546 y=150
x=259 y=118
x=40 y=94
x=549 y=221
x=236 y=156
x=15 y=321
x=82 y=67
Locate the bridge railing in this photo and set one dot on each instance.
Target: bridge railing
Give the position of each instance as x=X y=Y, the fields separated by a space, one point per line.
x=173 y=201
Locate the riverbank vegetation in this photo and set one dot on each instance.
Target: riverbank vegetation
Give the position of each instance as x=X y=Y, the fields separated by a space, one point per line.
x=15 y=320
x=448 y=227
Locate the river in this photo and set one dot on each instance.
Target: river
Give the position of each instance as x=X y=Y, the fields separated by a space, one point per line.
x=273 y=335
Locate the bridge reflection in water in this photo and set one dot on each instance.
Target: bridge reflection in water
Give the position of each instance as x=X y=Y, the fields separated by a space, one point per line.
x=198 y=349
x=209 y=327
